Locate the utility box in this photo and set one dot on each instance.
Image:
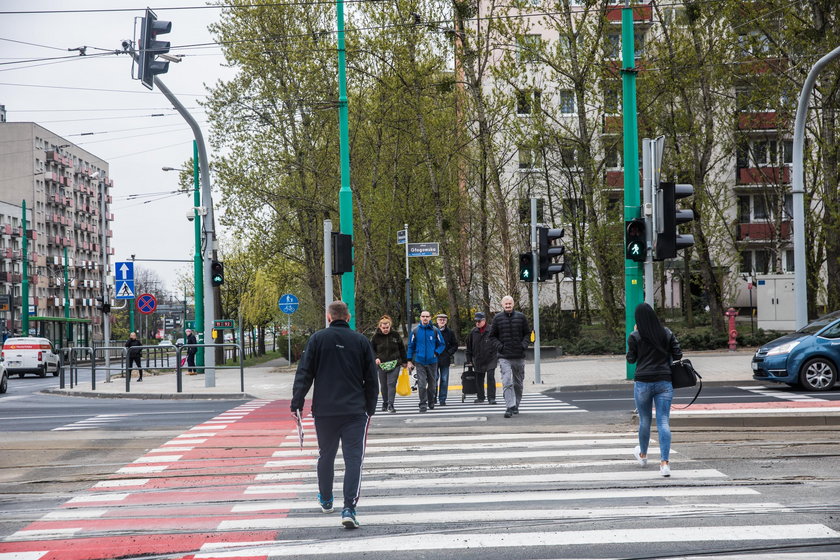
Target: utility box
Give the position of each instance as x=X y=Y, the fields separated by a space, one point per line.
x=775 y=302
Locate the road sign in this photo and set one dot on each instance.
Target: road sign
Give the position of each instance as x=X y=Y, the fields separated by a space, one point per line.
x=223 y=324
x=401 y=237
x=288 y=303
x=124 y=270
x=146 y=303
x=125 y=289
x=5 y=302
x=424 y=249
x=190 y=325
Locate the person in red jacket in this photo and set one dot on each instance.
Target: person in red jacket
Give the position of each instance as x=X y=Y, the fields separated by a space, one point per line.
x=341 y=364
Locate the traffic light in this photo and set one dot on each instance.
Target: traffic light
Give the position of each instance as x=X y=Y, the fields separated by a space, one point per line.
x=342 y=253
x=526 y=267
x=634 y=239
x=547 y=251
x=217 y=273
x=668 y=218
x=147 y=66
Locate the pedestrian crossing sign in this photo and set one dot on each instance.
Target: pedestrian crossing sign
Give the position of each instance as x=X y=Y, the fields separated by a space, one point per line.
x=125 y=289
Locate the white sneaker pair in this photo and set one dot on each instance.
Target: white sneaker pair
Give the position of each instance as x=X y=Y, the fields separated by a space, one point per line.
x=665 y=470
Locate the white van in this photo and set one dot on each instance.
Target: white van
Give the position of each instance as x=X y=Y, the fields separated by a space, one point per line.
x=27 y=354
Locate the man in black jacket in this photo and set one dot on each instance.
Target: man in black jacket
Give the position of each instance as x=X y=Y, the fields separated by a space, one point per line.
x=510 y=335
x=481 y=353
x=445 y=359
x=135 y=355
x=342 y=366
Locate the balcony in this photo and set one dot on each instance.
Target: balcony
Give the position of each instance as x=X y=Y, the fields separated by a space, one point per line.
x=32 y=234
x=763 y=231
x=16 y=231
x=6 y=253
x=5 y=276
x=6 y=229
x=763 y=175
x=641 y=13
x=763 y=120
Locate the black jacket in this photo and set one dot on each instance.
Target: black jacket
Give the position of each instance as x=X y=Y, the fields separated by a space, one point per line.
x=481 y=352
x=451 y=341
x=388 y=347
x=341 y=364
x=191 y=339
x=510 y=334
x=652 y=363
x=133 y=351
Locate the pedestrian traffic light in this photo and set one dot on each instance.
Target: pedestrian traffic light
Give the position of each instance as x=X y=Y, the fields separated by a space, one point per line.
x=342 y=253
x=150 y=47
x=217 y=273
x=634 y=240
x=547 y=251
x=526 y=267
x=668 y=240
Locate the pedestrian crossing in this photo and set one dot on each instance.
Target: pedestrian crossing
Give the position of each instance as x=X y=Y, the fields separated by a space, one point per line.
x=93 y=422
x=532 y=403
x=241 y=486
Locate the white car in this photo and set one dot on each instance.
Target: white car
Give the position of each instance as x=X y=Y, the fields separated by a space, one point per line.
x=29 y=354
x=4 y=379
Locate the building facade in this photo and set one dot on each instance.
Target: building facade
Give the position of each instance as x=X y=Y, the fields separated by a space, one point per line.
x=67 y=193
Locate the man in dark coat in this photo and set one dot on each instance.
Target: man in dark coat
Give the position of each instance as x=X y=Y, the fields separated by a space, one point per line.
x=481 y=354
x=341 y=364
x=445 y=359
x=135 y=355
x=510 y=335
x=191 y=352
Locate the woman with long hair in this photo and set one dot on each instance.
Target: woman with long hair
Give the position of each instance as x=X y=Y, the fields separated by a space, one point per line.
x=389 y=349
x=652 y=348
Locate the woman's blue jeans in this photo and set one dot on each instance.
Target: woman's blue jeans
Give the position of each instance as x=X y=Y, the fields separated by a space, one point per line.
x=646 y=394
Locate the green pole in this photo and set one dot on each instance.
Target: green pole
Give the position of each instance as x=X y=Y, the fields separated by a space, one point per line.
x=634 y=291
x=345 y=196
x=66 y=299
x=24 y=290
x=198 y=270
x=131 y=304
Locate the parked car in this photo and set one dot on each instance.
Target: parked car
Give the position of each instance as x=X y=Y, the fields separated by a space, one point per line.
x=808 y=357
x=165 y=343
x=29 y=354
x=4 y=379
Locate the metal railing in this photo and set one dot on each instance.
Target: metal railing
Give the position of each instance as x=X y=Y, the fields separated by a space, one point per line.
x=179 y=362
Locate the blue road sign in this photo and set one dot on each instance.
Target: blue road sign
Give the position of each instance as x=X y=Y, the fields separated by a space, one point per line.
x=125 y=289
x=401 y=235
x=424 y=249
x=124 y=271
x=288 y=303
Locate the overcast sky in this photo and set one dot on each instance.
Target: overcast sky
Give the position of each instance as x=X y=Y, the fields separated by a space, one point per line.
x=95 y=93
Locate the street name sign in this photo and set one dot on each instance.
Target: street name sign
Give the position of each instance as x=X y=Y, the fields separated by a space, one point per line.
x=424 y=249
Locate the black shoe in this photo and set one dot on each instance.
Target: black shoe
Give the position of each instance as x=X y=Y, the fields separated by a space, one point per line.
x=431 y=406
x=139 y=380
x=422 y=409
x=384 y=407
x=515 y=410
x=391 y=408
x=491 y=401
x=443 y=404
x=478 y=401
x=509 y=413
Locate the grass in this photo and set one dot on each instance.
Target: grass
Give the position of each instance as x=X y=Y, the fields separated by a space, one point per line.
x=257 y=360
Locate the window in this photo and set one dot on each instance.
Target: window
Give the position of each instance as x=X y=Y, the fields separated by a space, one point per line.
x=568 y=155
x=611 y=100
x=611 y=156
x=567 y=101
x=530 y=158
x=528 y=102
x=744 y=209
x=788 y=264
x=771 y=152
x=612 y=48
x=674 y=15
x=831 y=332
x=754 y=43
x=529 y=48
x=574 y=210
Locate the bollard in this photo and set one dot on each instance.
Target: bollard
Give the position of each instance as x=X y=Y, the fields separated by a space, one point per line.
x=733 y=333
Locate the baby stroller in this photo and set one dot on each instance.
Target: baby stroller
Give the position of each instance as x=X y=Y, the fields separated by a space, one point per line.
x=468 y=382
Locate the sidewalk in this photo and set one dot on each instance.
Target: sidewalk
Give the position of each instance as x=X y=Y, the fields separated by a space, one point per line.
x=273 y=380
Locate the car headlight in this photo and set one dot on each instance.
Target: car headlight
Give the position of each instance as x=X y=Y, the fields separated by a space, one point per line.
x=784 y=348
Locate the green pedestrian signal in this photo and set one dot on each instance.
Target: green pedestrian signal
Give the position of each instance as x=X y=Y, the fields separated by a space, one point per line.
x=635 y=240
x=526 y=266
x=217 y=273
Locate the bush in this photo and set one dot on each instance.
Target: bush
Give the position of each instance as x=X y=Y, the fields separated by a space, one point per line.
x=556 y=323
x=592 y=345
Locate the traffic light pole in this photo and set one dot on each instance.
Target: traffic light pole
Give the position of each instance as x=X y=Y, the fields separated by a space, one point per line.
x=633 y=287
x=649 y=214
x=209 y=231
x=535 y=293
x=198 y=273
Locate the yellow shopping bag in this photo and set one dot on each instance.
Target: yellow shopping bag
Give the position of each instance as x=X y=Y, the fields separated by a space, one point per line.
x=403 y=383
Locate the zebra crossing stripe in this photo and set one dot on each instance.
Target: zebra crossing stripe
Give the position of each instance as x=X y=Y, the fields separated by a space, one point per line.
x=443 y=541
x=293 y=440
x=494 y=515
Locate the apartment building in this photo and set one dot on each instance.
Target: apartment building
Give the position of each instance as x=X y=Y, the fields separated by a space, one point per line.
x=67 y=193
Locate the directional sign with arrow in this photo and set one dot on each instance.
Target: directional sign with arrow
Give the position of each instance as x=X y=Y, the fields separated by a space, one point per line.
x=125 y=280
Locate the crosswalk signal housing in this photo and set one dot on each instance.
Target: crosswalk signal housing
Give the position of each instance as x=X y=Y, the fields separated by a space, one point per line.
x=342 y=253
x=150 y=47
x=548 y=250
x=668 y=240
x=526 y=267
x=217 y=273
x=635 y=239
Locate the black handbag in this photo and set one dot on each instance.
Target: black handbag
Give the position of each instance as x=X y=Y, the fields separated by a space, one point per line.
x=683 y=374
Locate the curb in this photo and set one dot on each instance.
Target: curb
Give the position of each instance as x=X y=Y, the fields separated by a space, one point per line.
x=150 y=396
x=629 y=383
x=755 y=421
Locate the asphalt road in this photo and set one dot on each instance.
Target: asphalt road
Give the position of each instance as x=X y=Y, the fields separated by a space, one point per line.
x=556 y=481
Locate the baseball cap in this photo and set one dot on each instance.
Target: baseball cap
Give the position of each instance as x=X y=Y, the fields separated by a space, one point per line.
x=441 y=316
x=479 y=316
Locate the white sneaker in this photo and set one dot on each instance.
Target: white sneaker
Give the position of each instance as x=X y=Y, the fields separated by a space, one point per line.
x=665 y=470
x=637 y=453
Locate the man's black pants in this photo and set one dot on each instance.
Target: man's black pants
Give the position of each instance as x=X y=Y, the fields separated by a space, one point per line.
x=351 y=431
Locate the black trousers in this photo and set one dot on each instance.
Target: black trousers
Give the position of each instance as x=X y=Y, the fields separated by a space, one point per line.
x=491 y=384
x=351 y=432
x=138 y=360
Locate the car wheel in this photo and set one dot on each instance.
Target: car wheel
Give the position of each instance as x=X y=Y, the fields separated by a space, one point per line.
x=20 y=375
x=818 y=374
x=43 y=371
x=56 y=370
x=4 y=384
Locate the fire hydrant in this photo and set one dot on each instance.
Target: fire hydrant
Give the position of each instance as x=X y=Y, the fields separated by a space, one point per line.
x=733 y=334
